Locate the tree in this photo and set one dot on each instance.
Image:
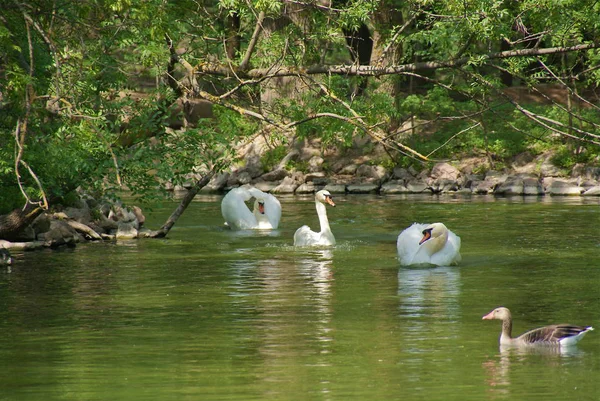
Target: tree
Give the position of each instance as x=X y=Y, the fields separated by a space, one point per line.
x=88 y=89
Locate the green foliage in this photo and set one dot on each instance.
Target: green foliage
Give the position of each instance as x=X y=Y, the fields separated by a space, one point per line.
x=88 y=57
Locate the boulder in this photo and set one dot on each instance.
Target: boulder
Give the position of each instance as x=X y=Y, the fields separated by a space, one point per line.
x=216 y=184
x=362 y=188
x=376 y=173
x=394 y=187
x=126 y=230
x=336 y=188
x=60 y=233
x=306 y=188
x=593 y=191
x=287 y=186
x=562 y=187
x=275 y=175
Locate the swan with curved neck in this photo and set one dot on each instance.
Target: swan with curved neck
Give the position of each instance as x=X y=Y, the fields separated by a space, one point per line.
x=554 y=335
x=430 y=244
x=304 y=236
x=265 y=215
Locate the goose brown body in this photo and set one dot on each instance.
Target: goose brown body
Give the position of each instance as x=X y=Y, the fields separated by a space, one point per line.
x=553 y=335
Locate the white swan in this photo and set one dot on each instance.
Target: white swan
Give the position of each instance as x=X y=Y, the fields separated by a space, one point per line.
x=304 y=236
x=430 y=244
x=265 y=215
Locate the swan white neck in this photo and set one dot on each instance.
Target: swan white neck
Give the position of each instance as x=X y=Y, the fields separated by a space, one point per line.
x=436 y=244
x=323 y=220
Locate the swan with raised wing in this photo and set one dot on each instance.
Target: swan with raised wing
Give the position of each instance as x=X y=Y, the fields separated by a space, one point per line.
x=557 y=335
x=265 y=215
x=432 y=244
x=304 y=236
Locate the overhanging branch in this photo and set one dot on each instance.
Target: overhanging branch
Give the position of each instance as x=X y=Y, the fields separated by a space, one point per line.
x=373 y=70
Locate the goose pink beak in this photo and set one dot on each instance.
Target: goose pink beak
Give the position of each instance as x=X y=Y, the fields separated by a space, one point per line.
x=489 y=316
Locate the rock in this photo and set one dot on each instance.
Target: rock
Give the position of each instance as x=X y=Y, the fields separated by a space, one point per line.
x=310 y=177
x=416 y=187
x=593 y=191
x=547 y=169
x=60 y=233
x=443 y=185
x=394 y=187
x=444 y=171
x=336 y=188
x=216 y=183
x=306 y=188
x=483 y=187
x=519 y=185
x=275 y=175
x=239 y=178
x=80 y=215
x=126 y=230
x=562 y=187
x=287 y=186
x=402 y=174
x=362 y=188
x=532 y=186
x=349 y=169
x=41 y=224
x=373 y=172
x=315 y=164
x=265 y=186
x=106 y=224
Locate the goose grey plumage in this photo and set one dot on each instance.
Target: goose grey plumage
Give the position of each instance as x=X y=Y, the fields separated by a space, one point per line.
x=554 y=335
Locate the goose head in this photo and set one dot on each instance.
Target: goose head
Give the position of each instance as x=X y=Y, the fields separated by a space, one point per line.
x=324 y=196
x=501 y=313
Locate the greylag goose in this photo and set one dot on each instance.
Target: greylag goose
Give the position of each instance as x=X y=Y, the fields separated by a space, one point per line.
x=431 y=244
x=554 y=335
x=304 y=236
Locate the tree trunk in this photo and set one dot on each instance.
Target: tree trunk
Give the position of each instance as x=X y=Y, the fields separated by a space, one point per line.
x=12 y=224
x=187 y=199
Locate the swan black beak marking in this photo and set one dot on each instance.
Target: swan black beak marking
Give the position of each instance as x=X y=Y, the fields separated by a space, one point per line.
x=329 y=200
x=426 y=236
x=261 y=207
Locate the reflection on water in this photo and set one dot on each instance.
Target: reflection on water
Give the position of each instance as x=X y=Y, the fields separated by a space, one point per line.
x=208 y=313
x=498 y=369
x=431 y=291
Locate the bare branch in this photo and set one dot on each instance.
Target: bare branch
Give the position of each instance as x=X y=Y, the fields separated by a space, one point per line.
x=394 y=39
x=253 y=41
x=373 y=70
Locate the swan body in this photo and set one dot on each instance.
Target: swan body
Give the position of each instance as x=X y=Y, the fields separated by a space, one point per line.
x=431 y=244
x=557 y=335
x=304 y=236
x=264 y=216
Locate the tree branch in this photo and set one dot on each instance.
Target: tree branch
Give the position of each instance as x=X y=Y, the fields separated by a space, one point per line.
x=373 y=70
x=253 y=41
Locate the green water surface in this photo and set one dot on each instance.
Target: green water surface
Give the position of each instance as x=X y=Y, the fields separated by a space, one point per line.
x=210 y=314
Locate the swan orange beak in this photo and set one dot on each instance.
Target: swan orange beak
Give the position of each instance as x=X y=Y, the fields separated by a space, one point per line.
x=261 y=207
x=426 y=236
x=489 y=316
x=330 y=201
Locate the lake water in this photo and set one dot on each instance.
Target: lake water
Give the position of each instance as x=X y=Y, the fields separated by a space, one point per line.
x=210 y=314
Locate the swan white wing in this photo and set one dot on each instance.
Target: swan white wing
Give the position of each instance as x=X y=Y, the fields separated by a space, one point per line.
x=408 y=245
x=304 y=236
x=272 y=209
x=450 y=254
x=236 y=212
x=272 y=205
